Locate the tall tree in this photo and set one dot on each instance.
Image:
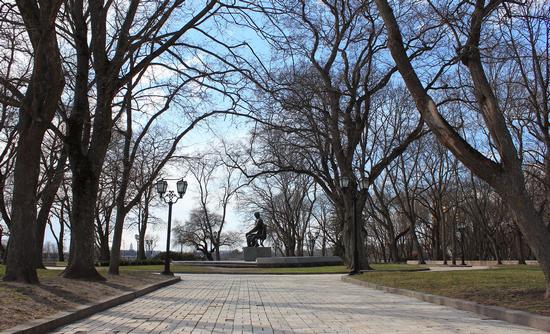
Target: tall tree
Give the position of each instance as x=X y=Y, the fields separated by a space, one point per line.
x=198 y=232
x=35 y=114
x=327 y=102
x=464 y=22
x=140 y=32
x=211 y=174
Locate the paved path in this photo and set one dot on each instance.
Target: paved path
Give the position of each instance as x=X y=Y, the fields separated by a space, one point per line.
x=282 y=304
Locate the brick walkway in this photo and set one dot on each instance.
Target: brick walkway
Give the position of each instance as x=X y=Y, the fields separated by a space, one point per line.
x=282 y=304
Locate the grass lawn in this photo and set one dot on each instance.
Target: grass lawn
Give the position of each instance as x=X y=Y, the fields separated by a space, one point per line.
x=177 y=268
x=516 y=287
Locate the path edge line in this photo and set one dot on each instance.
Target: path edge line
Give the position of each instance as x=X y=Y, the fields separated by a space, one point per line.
x=63 y=318
x=501 y=313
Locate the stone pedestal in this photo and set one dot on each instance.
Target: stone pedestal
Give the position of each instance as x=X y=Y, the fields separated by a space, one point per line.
x=252 y=253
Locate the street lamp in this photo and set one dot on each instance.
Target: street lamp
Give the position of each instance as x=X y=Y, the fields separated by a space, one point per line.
x=345 y=184
x=170 y=198
x=461 y=228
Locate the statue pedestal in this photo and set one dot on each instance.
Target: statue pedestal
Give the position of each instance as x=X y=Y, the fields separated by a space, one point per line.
x=252 y=253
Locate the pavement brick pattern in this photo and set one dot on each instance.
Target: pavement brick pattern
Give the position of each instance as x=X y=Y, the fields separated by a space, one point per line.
x=282 y=304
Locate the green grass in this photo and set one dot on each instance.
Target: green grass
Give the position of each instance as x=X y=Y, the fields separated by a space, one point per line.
x=396 y=266
x=177 y=268
x=201 y=269
x=517 y=287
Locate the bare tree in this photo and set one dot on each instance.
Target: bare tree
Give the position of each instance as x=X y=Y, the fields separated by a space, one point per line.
x=197 y=233
x=212 y=175
x=504 y=171
x=327 y=102
x=121 y=51
x=37 y=109
x=286 y=202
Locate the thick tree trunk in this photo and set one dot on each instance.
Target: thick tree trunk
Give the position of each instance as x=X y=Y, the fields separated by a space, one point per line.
x=84 y=190
x=350 y=237
x=35 y=114
x=20 y=264
x=529 y=221
x=40 y=233
x=104 y=252
x=519 y=246
x=394 y=251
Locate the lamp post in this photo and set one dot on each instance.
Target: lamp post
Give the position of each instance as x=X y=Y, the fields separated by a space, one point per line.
x=461 y=228
x=363 y=185
x=170 y=198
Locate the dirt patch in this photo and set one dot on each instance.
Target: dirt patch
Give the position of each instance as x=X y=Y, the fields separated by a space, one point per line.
x=20 y=303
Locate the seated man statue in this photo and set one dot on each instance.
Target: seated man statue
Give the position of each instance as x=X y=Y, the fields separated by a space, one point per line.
x=258 y=233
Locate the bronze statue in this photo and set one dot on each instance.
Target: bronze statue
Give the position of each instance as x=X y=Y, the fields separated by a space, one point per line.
x=258 y=233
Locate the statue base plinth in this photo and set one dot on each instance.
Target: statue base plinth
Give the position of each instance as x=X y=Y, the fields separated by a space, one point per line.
x=252 y=253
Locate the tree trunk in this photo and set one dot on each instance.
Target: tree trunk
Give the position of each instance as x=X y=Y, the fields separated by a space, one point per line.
x=436 y=239
x=104 y=252
x=519 y=246
x=349 y=234
x=35 y=114
x=141 y=243
x=39 y=240
x=530 y=223
x=84 y=190
x=324 y=245
x=20 y=264
x=117 y=240
x=453 y=243
x=417 y=246
x=47 y=199
x=60 y=242
x=394 y=251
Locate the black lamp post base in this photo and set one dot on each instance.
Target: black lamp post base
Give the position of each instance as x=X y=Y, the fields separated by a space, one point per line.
x=167 y=273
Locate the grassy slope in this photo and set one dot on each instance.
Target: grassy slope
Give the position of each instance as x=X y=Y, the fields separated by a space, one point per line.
x=516 y=287
x=23 y=302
